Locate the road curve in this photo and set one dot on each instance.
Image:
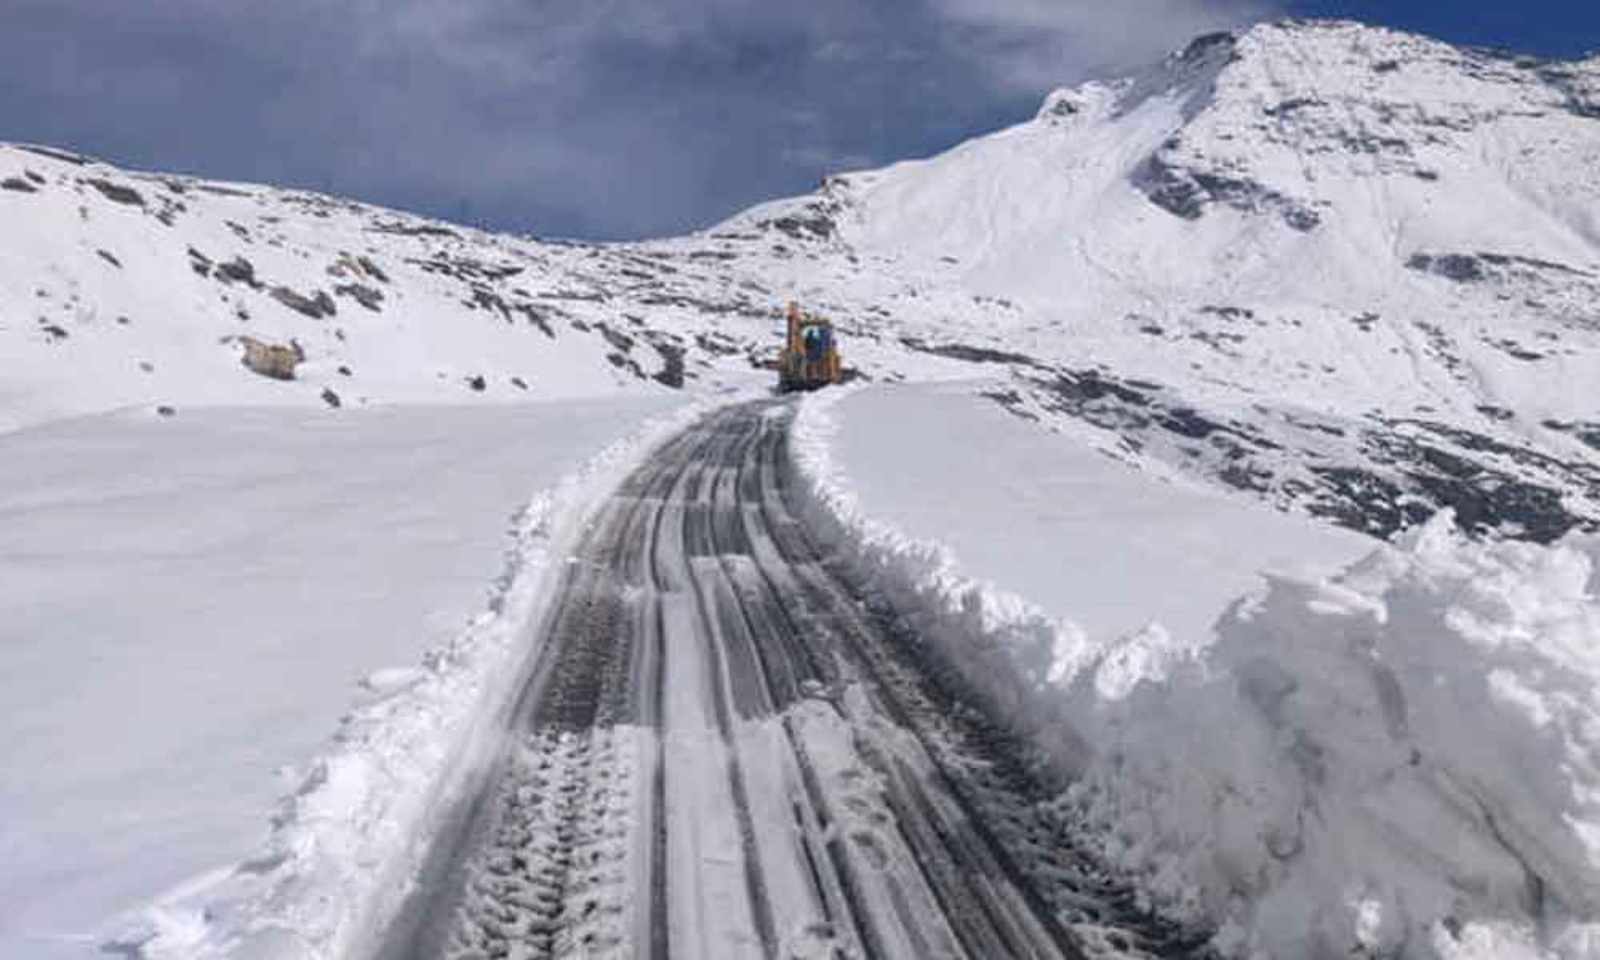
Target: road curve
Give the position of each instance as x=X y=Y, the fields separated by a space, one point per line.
x=728 y=749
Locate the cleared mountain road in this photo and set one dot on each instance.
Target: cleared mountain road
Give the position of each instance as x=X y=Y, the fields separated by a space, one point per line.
x=729 y=749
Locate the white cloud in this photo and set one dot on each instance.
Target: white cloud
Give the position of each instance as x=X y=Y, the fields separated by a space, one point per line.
x=1038 y=44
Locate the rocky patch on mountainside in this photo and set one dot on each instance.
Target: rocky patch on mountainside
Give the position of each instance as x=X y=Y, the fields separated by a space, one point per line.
x=1376 y=475
x=1185 y=190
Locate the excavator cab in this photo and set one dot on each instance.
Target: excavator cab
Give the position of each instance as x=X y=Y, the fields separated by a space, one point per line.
x=810 y=357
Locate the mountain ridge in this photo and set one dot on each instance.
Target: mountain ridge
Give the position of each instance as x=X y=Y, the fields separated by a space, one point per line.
x=1340 y=268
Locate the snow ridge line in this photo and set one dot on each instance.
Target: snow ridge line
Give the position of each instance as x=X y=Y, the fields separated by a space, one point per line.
x=344 y=848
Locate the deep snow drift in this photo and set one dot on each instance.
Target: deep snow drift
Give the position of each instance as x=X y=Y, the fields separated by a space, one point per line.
x=1401 y=758
x=187 y=607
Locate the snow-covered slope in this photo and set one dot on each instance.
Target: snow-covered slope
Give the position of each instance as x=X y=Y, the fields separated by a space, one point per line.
x=120 y=289
x=1367 y=259
x=1344 y=269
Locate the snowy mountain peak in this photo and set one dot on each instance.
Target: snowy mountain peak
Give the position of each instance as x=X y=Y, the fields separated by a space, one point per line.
x=1301 y=105
x=1369 y=145
x=1309 y=222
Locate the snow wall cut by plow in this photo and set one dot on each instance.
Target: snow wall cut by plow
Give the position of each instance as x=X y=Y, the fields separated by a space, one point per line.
x=1399 y=760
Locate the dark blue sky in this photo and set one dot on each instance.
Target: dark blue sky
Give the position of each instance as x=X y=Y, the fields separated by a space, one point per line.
x=601 y=118
x=1552 y=28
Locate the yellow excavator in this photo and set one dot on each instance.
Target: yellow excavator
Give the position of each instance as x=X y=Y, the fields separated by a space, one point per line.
x=810 y=357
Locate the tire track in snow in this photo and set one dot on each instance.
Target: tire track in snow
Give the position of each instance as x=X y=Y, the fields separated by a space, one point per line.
x=727 y=748
x=988 y=911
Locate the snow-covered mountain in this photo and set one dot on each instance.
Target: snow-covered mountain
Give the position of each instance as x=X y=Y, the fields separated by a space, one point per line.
x=1341 y=268
x=124 y=288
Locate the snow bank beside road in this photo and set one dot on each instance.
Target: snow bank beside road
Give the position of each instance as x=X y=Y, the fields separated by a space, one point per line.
x=960 y=506
x=187 y=605
x=347 y=845
x=1401 y=760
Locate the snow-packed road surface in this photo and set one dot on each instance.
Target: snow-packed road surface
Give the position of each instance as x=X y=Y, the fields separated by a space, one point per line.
x=725 y=750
